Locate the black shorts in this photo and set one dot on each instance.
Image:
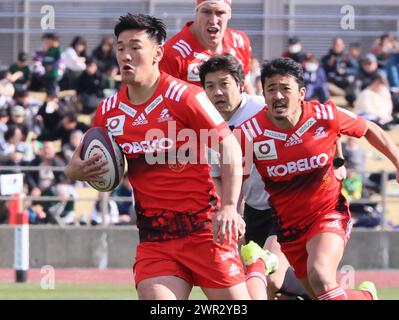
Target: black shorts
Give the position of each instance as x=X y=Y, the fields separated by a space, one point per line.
x=260 y=224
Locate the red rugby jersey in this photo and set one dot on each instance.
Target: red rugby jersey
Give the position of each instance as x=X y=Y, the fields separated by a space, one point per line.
x=296 y=164
x=183 y=53
x=168 y=191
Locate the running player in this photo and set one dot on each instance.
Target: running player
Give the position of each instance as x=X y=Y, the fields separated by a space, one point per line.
x=222 y=78
x=176 y=200
x=204 y=37
x=293 y=148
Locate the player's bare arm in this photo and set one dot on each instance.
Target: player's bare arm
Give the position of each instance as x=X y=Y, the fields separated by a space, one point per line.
x=383 y=143
x=85 y=170
x=226 y=220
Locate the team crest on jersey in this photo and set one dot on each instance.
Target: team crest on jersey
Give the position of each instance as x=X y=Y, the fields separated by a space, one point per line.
x=141 y=119
x=165 y=116
x=293 y=140
x=320 y=133
x=115 y=125
x=126 y=109
x=265 y=150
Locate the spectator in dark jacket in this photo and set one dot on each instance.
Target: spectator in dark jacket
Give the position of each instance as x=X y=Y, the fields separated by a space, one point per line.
x=104 y=54
x=340 y=69
x=90 y=86
x=315 y=81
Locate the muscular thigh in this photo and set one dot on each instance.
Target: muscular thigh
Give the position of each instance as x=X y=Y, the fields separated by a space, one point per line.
x=163 y=288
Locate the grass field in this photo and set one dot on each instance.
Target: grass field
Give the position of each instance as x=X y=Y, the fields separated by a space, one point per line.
x=62 y=291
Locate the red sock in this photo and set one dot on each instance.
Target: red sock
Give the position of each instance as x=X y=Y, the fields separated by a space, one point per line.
x=257 y=269
x=334 y=294
x=340 y=294
x=257 y=266
x=358 y=295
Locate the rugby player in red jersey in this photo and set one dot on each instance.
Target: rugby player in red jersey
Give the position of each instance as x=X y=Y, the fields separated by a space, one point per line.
x=179 y=214
x=204 y=37
x=294 y=143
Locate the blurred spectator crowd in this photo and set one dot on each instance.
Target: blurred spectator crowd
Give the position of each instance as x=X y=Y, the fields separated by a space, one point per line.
x=47 y=101
x=48 y=98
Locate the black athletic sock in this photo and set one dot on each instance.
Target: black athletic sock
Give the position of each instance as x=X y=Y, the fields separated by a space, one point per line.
x=292 y=287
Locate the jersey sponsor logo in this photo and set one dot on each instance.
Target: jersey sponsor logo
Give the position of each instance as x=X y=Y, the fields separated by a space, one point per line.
x=251 y=129
x=320 y=133
x=228 y=255
x=109 y=104
x=115 y=125
x=153 y=104
x=147 y=146
x=300 y=165
x=275 y=135
x=305 y=127
x=175 y=90
x=141 y=119
x=165 y=116
x=293 y=140
x=209 y=108
x=234 y=270
x=126 y=109
x=324 y=112
x=348 y=113
x=183 y=47
x=265 y=150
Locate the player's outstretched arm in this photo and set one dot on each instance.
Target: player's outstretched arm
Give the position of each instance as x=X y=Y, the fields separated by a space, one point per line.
x=226 y=220
x=383 y=143
x=85 y=170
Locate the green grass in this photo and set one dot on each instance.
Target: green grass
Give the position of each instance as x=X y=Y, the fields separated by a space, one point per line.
x=62 y=291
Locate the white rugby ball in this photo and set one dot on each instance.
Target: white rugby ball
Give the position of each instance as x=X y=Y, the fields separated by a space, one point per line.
x=98 y=140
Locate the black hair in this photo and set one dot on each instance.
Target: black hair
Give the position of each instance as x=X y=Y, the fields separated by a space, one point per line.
x=78 y=40
x=154 y=27
x=224 y=62
x=51 y=36
x=71 y=116
x=283 y=67
x=11 y=132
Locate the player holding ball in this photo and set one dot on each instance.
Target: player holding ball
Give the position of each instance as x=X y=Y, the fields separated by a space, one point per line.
x=187 y=235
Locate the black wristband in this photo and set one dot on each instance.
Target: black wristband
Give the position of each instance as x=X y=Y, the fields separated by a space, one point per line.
x=338 y=162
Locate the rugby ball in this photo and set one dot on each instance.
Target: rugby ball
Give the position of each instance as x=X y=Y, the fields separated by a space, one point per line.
x=98 y=140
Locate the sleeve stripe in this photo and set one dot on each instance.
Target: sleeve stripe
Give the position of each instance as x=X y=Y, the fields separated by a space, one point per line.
x=174 y=82
x=324 y=112
x=244 y=129
x=330 y=113
x=109 y=103
x=183 y=46
x=187 y=46
x=251 y=129
x=103 y=106
x=182 y=89
x=115 y=96
x=257 y=126
x=180 y=50
x=347 y=112
x=318 y=116
x=176 y=87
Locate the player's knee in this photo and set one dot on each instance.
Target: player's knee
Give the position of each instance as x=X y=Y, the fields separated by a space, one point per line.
x=320 y=277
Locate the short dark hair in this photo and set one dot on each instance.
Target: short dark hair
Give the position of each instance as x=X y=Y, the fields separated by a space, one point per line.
x=51 y=36
x=225 y=62
x=283 y=67
x=154 y=27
